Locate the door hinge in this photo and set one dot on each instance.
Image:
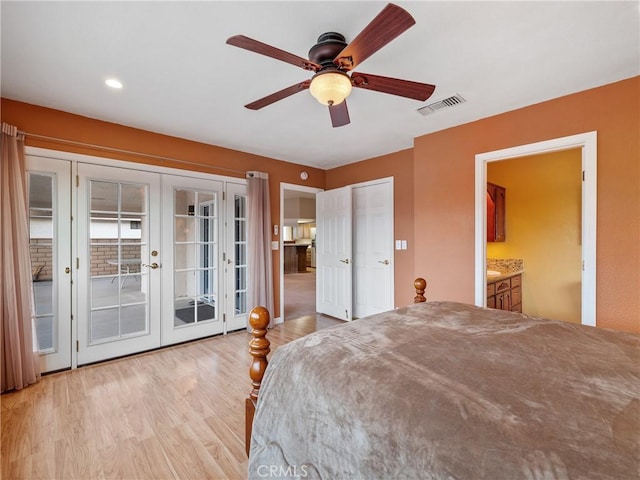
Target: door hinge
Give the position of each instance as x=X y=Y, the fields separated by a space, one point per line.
x=346 y=314
x=224 y=318
x=72 y=318
x=77 y=345
x=583 y=175
x=224 y=196
x=77 y=180
x=77 y=263
x=224 y=256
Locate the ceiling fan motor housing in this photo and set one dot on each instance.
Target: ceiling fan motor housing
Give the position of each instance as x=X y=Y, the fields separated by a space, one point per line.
x=329 y=45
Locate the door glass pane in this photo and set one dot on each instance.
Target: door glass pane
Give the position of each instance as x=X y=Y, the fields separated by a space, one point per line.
x=240 y=250
x=104 y=196
x=132 y=198
x=42 y=217
x=195 y=256
x=184 y=202
x=118 y=241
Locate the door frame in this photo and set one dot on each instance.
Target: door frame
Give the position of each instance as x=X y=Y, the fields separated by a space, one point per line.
x=297 y=188
x=47 y=153
x=587 y=143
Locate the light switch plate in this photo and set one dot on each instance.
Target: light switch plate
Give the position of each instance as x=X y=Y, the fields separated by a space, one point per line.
x=274 y=245
x=398 y=244
x=404 y=244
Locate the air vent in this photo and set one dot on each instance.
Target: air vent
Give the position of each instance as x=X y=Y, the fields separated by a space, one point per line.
x=440 y=104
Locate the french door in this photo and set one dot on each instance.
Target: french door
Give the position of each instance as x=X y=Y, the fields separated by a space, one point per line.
x=128 y=260
x=235 y=257
x=49 y=186
x=119 y=258
x=204 y=275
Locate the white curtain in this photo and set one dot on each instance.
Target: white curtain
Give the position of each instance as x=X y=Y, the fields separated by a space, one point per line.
x=260 y=281
x=18 y=350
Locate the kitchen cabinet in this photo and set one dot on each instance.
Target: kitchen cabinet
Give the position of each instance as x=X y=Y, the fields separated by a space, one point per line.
x=496 y=207
x=295 y=258
x=505 y=293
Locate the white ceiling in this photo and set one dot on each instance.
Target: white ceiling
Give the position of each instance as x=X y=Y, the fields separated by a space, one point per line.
x=181 y=79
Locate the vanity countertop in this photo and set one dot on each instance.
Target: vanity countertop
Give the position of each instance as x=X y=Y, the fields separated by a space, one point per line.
x=508 y=267
x=503 y=276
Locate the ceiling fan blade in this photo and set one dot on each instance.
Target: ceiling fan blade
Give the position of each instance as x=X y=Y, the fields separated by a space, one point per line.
x=394 y=86
x=274 y=97
x=339 y=114
x=388 y=24
x=263 y=49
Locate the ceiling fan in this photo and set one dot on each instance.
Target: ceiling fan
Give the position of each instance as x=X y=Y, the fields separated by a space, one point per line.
x=331 y=58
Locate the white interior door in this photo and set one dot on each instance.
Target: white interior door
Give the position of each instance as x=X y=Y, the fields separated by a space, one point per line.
x=118 y=244
x=235 y=257
x=373 y=269
x=333 y=253
x=49 y=185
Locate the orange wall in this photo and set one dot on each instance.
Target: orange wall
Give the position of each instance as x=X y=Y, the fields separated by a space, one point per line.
x=400 y=166
x=54 y=123
x=543 y=220
x=434 y=185
x=444 y=169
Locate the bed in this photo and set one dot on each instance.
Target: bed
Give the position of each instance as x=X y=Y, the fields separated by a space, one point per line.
x=442 y=390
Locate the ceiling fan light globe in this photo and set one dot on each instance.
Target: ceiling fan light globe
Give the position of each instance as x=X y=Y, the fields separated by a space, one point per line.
x=330 y=88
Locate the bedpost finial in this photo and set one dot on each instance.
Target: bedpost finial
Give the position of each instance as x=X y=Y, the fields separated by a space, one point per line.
x=259 y=318
x=258 y=348
x=420 y=285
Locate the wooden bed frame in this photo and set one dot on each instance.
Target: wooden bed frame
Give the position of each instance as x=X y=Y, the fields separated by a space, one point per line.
x=259 y=349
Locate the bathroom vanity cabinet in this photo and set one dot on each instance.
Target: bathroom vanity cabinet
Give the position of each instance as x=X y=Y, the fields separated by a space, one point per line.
x=505 y=293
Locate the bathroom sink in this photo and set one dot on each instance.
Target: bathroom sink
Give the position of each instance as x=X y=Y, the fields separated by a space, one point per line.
x=493 y=273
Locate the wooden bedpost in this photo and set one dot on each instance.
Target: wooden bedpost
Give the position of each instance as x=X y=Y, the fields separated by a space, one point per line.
x=420 y=284
x=259 y=349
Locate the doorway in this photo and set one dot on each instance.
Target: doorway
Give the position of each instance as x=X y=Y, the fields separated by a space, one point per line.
x=127 y=260
x=542 y=231
x=586 y=144
x=297 y=244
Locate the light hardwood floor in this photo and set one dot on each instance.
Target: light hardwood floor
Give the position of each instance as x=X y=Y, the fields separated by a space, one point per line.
x=176 y=413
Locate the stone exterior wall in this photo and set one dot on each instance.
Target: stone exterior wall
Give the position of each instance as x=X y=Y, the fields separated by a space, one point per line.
x=41 y=258
x=101 y=252
x=107 y=249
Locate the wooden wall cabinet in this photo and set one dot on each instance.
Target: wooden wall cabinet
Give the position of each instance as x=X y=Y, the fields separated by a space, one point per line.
x=496 y=201
x=505 y=294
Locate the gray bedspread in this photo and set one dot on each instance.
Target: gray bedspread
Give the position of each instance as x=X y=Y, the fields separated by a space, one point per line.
x=442 y=390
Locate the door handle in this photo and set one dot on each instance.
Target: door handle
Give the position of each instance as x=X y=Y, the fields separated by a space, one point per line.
x=154 y=265
x=384 y=262
x=345 y=261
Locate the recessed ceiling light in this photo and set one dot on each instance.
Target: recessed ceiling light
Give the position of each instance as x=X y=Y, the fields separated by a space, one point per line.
x=113 y=83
